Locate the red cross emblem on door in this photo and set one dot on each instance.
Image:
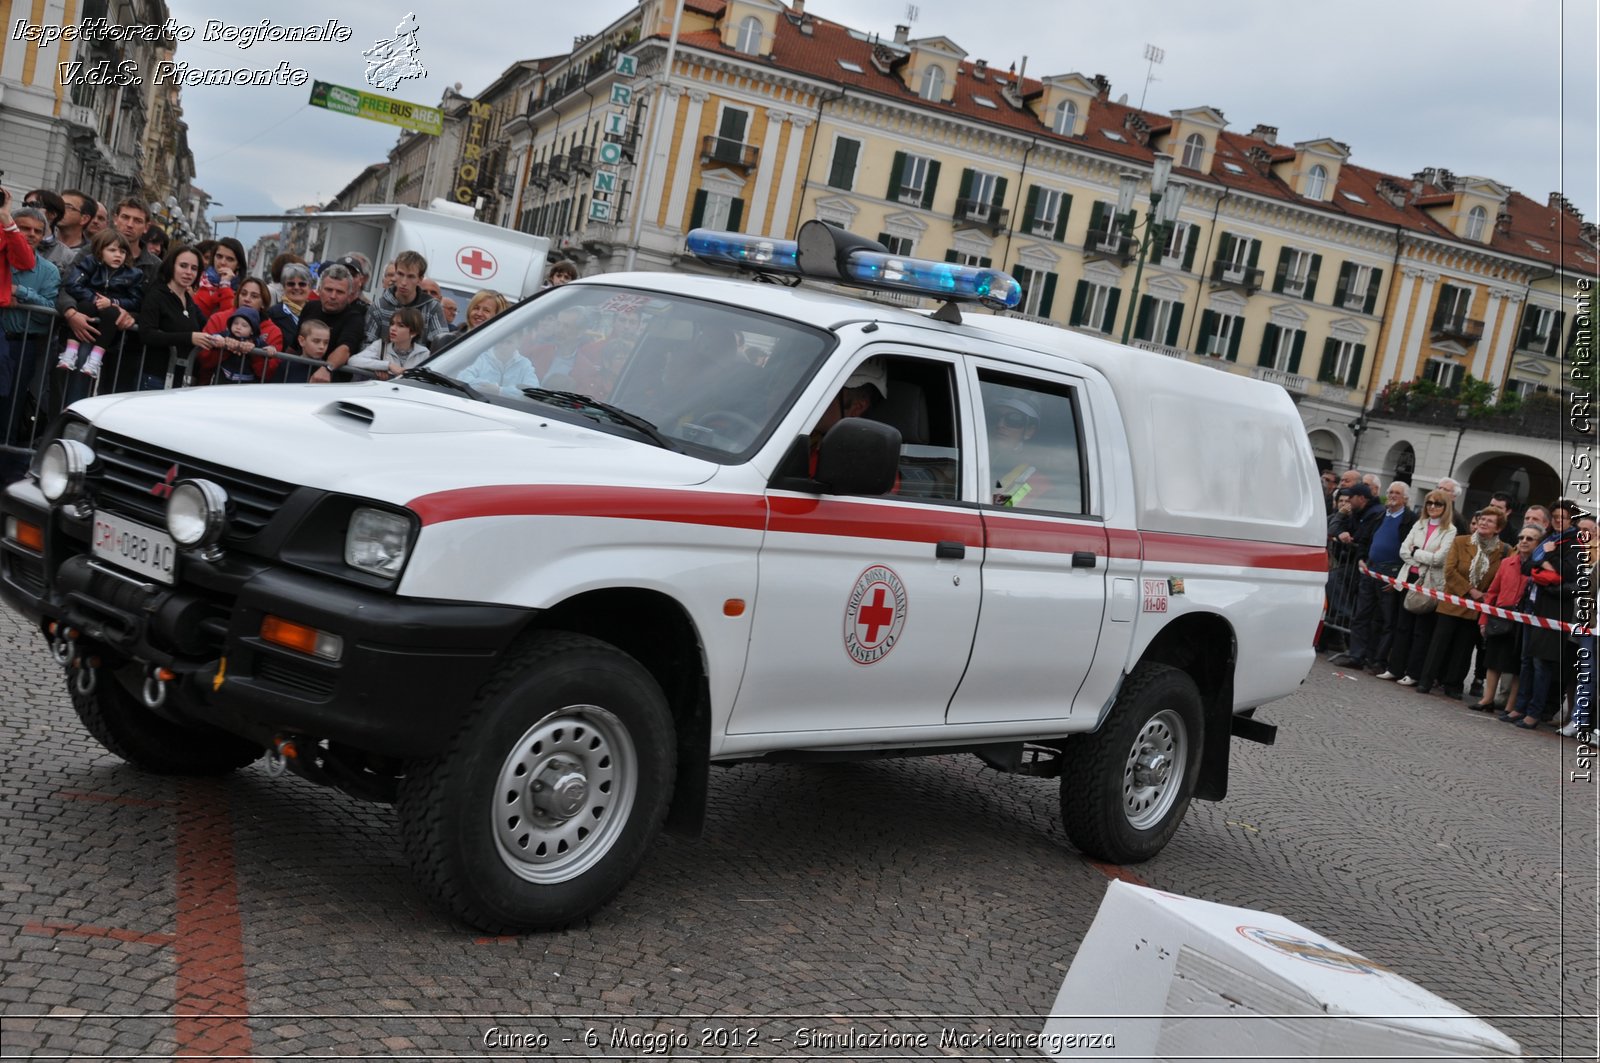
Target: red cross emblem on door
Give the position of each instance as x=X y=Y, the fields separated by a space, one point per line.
x=477 y=263
x=875 y=615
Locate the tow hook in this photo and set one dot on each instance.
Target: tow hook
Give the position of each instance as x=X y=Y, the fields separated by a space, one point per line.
x=155 y=687
x=61 y=644
x=283 y=750
x=85 y=674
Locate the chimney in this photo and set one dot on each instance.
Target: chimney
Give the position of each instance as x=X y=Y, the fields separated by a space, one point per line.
x=1588 y=232
x=1502 y=222
x=1102 y=86
x=1268 y=133
x=1022 y=73
x=799 y=8
x=980 y=68
x=902 y=34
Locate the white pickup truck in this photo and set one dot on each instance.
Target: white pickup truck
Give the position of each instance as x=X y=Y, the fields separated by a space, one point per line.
x=646 y=524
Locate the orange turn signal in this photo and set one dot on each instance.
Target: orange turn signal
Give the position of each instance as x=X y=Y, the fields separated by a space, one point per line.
x=29 y=535
x=305 y=639
x=733 y=607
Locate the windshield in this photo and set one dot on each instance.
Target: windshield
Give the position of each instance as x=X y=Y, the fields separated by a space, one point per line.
x=708 y=377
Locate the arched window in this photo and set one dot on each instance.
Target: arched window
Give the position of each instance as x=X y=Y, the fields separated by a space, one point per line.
x=1066 y=118
x=750 y=36
x=1316 y=182
x=1194 y=151
x=1477 y=218
x=932 y=83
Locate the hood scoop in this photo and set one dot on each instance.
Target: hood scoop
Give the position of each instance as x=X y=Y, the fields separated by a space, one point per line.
x=398 y=416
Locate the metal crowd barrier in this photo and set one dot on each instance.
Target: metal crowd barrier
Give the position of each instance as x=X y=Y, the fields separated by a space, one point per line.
x=39 y=391
x=1339 y=600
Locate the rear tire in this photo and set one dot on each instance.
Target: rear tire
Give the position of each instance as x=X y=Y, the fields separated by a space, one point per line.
x=119 y=720
x=548 y=797
x=1125 y=788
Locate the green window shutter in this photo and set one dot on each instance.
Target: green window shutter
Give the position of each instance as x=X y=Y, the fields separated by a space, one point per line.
x=697 y=215
x=1296 y=349
x=1225 y=248
x=933 y=183
x=1000 y=194
x=949 y=256
x=1372 y=291
x=1330 y=351
x=1311 y=278
x=1233 y=344
x=1208 y=326
x=1097 y=219
x=985 y=262
x=895 y=175
x=1047 y=297
x=1188 y=252
x=1354 y=380
x=1079 y=295
x=1174 y=325
x=1030 y=209
x=1061 y=217
x=1110 y=324
x=1142 y=319
x=1254 y=259
x=883 y=238
x=1552 y=346
x=735 y=215
x=1340 y=289
x=1269 y=344
x=1525 y=333
x=845 y=154
x=966 y=185
x=1283 y=271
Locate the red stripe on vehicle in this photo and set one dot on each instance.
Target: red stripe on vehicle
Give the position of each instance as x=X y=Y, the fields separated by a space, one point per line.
x=1008 y=532
x=866 y=520
x=628 y=503
x=1170 y=548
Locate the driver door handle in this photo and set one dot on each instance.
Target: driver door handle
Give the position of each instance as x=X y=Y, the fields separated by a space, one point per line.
x=949 y=549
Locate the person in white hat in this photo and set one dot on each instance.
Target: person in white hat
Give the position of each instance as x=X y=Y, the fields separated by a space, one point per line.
x=1013 y=421
x=868 y=384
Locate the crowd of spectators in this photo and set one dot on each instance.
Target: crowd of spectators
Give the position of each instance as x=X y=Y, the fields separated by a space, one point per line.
x=97 y=300
x=1541 y=564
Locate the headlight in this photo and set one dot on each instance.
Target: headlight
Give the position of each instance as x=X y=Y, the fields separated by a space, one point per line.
x=63 y=469
x=377 y=541
x=197 y=513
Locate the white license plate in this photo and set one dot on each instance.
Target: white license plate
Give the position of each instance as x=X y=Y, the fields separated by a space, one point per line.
x=133 y=546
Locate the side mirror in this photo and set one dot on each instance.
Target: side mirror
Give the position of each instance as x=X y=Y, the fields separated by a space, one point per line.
x=859 y=457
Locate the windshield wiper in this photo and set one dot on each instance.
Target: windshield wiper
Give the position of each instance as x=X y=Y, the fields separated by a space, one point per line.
x=571 y=400
x=433 y=376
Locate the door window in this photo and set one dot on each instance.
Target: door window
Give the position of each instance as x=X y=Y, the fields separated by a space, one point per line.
x=1035 y=452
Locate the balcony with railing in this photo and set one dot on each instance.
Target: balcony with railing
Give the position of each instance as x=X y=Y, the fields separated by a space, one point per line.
x=581 y=159
x=1109 y=245
x=1293 y=383
x=1233 y=275
x=1448 y=326
x=539 y=175
x=558 y=168
x=981 y=214
x=725 y=152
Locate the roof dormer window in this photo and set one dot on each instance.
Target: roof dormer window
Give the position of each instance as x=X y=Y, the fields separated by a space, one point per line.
x=1477 y=218
x=1316 y=182
x=750 y=36
x=1194 y=151
x=932 y=83
x=1066 y=118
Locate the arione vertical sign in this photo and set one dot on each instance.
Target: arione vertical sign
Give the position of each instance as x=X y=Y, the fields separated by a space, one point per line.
x=615 y=131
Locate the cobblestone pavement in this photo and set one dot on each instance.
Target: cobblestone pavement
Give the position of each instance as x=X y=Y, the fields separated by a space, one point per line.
x=257 y=915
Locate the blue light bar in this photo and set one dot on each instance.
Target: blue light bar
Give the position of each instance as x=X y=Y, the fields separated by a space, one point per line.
x=748 y=252
x=941 y=280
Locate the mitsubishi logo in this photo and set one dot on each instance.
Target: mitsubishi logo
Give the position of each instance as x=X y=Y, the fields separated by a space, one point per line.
x=163 y=487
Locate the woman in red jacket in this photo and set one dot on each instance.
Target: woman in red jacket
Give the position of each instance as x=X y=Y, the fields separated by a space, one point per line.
x=1502 y=651
x=255 y=294
x=219 y=282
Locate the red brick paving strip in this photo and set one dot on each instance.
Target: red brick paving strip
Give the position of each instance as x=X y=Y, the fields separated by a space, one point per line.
x=212 y=1000
x=83 y=930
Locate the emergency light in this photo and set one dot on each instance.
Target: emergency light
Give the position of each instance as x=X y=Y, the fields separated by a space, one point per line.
x=828 y=252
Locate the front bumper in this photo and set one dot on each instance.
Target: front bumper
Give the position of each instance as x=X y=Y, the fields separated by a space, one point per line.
x=408 y=671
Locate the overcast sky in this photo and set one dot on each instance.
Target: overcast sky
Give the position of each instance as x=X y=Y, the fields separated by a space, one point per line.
x=1500 y=88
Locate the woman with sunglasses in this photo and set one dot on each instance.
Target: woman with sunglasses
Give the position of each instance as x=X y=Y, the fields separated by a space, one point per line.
x=285 y=313
x=1422 y=558
x=1541 y=646
x=1467 y=572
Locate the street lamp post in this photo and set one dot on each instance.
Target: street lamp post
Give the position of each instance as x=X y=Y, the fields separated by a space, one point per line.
x=1156 y=223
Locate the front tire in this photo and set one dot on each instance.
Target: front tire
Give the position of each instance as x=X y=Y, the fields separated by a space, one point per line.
x=1125 y=788
x=547 y=799
x=122 y=723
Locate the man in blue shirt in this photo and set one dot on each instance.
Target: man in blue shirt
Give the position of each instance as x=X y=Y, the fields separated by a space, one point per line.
x=1380 y=532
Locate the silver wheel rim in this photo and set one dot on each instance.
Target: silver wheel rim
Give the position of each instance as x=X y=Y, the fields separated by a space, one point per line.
x=564 y=793
x=1152 y=778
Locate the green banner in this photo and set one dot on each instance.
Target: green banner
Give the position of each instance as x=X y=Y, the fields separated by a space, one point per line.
x=384 y=109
